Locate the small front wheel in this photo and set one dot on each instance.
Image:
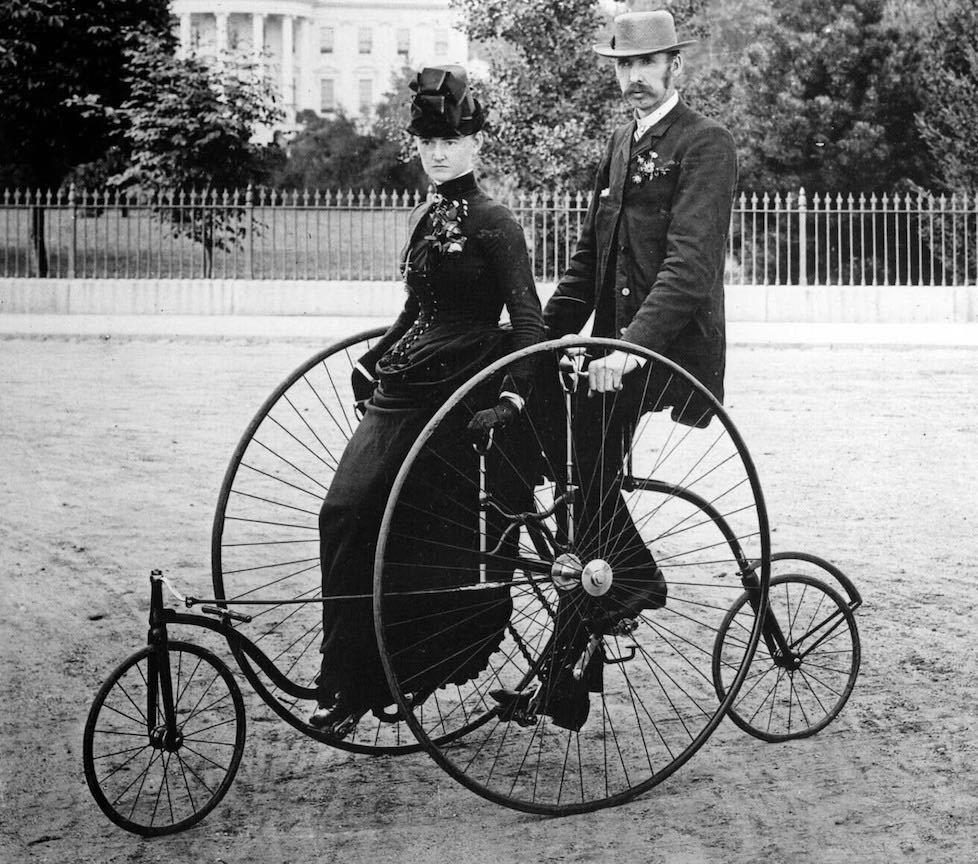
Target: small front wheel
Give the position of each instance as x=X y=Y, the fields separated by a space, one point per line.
x=797 y=692
x=152 y=778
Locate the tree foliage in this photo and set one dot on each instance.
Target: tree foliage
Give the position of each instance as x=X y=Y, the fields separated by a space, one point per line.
x=553 y=102
x=54 y=54
x=189 y=123
x=948 y=118
x=333 y=153
x=337 y=152
x=549 y=105
x=826 y=99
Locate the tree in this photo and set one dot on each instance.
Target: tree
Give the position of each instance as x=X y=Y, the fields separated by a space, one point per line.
x=53 y=55
x=553 y=102
x=188 y=125
x=827 y=97
x=335 y=152
x=391 y=122
x=948 y=117
x=548 y=110
x=332 y=153
x=947 y=123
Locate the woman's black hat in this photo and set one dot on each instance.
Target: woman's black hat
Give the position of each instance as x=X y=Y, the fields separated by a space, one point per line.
x=442 y=105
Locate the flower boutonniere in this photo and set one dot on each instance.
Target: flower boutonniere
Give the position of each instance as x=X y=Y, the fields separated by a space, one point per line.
x=446 y=224
x=647 y=168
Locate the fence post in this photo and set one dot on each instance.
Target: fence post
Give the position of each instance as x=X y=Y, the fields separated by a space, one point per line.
x=73 y=243
x=802 y=238
x=250 y=219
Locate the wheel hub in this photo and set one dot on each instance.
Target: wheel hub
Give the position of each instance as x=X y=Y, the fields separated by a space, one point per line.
x=790 y=662
x=597 y=577
x=161 y=739
x=566 y=571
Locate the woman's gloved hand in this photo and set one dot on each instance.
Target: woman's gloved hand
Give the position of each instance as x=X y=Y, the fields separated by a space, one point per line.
x=483 y=422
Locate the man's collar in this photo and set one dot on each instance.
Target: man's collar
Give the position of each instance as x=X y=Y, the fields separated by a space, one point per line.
x=643 y=124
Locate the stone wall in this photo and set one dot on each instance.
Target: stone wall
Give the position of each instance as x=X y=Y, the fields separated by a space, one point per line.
x=840 y=303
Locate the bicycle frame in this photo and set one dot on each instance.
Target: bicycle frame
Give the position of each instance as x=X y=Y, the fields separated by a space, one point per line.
x=160 y=616
x=782 y=651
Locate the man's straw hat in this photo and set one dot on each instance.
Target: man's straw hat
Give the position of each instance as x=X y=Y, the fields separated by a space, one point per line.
x=638 y=33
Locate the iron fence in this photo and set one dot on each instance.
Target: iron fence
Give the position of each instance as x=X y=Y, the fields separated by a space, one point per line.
x=775 y=238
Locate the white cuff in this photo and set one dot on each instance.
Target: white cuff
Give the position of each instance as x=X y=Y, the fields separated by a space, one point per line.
x=360 y=367
x=518 y=401
x=639 y=358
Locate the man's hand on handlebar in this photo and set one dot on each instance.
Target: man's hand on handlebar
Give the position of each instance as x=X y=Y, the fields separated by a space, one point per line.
x=604 y=374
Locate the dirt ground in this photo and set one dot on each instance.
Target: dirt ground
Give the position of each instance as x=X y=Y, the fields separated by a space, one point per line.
x=112 y=453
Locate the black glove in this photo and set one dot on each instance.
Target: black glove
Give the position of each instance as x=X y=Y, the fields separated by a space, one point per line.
x=363 y=387
x=491 y=418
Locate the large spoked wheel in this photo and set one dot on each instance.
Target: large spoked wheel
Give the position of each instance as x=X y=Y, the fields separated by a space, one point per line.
x=797 y=692
x=151 y=779
x=525 y=592
x=265 y=539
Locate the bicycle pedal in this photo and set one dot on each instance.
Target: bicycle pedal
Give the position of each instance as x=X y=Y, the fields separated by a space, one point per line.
x=384 y=716
x=338 y=723
x=525 y=718
x=346 y=726
x=515 y=705
x=626 y=627
x=621 y=627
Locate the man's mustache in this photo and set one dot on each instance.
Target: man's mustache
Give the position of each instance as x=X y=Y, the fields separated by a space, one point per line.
x=636 y=88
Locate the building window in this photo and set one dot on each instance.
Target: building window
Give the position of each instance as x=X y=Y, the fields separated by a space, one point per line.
x=366 y=95
x=325 y=40
x=404 y=41
x=366 y=40
x=327 y=95
x=441 y=43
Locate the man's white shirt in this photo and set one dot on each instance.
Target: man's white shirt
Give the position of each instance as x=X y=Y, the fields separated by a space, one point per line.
x=643 y=124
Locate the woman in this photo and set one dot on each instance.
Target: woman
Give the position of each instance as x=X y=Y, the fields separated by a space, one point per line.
x=465 y=260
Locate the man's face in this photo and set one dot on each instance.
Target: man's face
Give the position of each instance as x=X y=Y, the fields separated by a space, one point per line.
x=646 y=81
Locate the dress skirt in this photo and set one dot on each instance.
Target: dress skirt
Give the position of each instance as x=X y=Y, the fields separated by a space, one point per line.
x=433 y=637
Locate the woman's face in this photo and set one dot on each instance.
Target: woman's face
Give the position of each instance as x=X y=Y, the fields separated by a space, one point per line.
x=444 y=159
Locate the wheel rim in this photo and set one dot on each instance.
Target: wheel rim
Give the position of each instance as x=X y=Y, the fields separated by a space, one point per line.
x=794 y=696
x=265 y=536
x=146 y=779
x=648 y=714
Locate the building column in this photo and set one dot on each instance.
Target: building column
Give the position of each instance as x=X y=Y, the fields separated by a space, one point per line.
x=306 y=59
x=221 y=35
x=258 y=43
x=186 y=34
x=288 y=66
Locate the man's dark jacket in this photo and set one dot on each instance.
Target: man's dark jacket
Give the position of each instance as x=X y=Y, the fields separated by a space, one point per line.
x=649 y=261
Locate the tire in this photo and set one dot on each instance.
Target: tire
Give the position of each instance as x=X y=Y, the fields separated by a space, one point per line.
x=511 y=620
x=781 y=700
x=142 y=781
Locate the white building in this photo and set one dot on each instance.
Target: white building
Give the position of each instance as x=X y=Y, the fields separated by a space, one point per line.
x=325 y=54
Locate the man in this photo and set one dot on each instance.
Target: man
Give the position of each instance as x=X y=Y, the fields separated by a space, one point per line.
x=649 y=266
x=649 y=261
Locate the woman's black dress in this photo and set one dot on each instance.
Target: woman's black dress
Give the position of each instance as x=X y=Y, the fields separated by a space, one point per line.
x=449 y=330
